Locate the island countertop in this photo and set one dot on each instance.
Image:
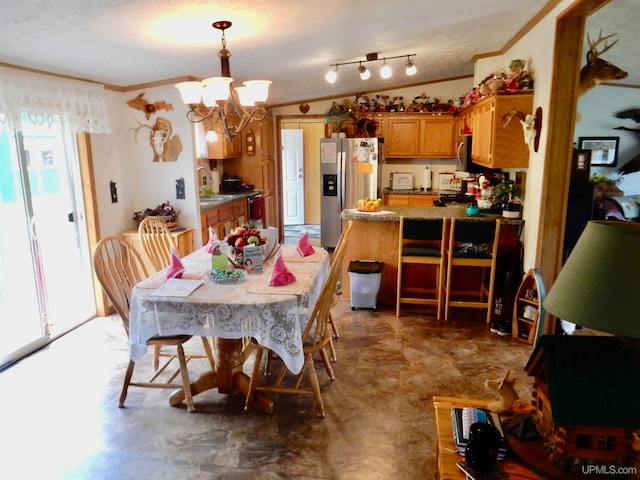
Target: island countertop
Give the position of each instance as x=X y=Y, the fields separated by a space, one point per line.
x=448 y=211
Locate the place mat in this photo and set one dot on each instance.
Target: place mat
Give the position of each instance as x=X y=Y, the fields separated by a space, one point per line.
x=381 y=212
x=295 y=288
x=159 y=279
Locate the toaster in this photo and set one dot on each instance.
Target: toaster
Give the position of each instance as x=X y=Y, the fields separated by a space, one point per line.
x=401 y=181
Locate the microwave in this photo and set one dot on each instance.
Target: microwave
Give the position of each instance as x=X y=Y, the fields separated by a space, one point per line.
x=401 y=181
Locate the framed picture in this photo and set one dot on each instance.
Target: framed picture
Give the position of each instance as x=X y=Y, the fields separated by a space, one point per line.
x=604 y=150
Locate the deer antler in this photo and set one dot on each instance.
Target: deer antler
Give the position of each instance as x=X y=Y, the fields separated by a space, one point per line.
x=136 y=130
x=593 y=46
x=510 y=115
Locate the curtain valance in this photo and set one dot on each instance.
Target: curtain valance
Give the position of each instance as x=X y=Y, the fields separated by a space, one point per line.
x=81 y=106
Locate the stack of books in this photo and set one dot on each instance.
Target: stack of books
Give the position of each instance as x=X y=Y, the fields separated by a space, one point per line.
x=463 y=418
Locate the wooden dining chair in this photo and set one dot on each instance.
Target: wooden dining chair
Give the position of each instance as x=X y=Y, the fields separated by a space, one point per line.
x=119 y=267
x=472 y=244
x=315 y=339
x=156 y=242
x=422 y=241
x=338 y=254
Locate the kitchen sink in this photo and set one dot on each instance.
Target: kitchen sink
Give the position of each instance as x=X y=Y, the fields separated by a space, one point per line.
x=216 y=198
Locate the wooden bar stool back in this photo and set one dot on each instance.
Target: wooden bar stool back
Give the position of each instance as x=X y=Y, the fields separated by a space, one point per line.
x=422 y=242
x=472 y=244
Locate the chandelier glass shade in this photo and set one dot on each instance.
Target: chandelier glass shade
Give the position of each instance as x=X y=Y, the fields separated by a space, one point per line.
x=229 y=109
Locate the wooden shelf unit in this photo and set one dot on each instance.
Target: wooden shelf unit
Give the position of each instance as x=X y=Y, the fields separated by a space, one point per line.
x=528 y=312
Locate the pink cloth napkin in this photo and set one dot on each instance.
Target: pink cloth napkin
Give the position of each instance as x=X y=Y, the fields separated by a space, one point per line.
x=213 y=238
x=175 y=269
x=281 y=275
x=304 y=248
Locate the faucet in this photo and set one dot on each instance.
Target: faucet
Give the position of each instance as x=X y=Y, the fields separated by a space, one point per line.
x=207 y=174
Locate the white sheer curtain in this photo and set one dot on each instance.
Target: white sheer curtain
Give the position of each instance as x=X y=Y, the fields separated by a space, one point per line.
x=81 y=106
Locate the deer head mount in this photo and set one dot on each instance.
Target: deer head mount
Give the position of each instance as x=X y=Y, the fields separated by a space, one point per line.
x=598 y=70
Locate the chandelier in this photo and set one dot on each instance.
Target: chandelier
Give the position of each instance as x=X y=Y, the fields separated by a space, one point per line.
x=385 y=70
x=230 y=109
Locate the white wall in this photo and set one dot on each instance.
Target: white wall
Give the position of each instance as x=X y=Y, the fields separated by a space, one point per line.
x=142 y=183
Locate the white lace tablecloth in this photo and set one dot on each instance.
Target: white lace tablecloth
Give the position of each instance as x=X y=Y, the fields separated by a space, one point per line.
x=276 y=320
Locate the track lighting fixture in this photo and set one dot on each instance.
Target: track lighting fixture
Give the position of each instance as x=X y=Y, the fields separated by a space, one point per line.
x=365 y=73
x=385 y=70
x=410 y=67
x=332 y=75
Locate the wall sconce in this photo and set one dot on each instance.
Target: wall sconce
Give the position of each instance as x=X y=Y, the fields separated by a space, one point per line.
x=385 y=72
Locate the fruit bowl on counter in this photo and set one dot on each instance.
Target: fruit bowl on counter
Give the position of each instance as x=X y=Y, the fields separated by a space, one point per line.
x=369 y=204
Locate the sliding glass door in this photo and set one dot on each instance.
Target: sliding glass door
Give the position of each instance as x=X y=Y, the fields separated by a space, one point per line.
x=45 y=275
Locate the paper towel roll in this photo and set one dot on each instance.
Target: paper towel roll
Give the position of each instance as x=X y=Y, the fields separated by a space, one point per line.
x=215 y=181
x=426 y=178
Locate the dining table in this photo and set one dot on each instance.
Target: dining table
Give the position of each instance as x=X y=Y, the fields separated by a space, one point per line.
x=245 y=308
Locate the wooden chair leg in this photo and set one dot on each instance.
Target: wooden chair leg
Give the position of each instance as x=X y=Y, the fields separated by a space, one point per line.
x=315 y=386
x=332 y=350
x=188 y=398
x=253 y=381
x=125 y=384
x=334 y=327
x=156 y=356
x=327 y=364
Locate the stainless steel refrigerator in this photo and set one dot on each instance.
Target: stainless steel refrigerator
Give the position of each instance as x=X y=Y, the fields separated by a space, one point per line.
x=349 y=170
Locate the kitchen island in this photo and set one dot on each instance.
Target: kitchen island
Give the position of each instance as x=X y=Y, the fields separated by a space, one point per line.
x=375 y=237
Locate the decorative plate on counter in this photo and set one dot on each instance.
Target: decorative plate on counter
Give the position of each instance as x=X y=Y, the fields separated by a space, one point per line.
x=227 y=276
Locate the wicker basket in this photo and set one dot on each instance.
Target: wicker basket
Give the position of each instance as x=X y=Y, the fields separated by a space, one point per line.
x=170 y=221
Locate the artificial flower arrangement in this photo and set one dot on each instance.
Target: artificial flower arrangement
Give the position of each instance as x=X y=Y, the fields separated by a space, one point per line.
x=385 y=103
x=517 y=79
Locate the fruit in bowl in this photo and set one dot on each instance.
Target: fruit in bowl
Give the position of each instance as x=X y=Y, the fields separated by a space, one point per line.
x=369 y=204
x=245 y=235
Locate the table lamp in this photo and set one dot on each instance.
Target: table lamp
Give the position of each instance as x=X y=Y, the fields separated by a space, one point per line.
x=599 y=285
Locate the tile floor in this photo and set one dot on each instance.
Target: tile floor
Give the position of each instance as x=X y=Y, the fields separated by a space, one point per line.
x=59 y=420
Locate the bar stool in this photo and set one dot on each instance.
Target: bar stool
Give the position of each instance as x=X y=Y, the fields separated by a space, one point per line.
x=422 y=242
x=472 y=243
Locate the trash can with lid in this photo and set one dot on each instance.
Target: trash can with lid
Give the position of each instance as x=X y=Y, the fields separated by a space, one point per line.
x=364 y=277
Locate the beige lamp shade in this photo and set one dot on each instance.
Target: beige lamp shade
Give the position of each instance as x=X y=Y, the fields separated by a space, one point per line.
x=599 y=285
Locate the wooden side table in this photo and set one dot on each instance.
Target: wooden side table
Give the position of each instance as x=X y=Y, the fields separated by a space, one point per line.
x=183 y=237
x=447 y=455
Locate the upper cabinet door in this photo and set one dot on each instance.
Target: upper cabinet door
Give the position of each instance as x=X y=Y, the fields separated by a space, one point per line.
x=222 y=148
x=418 y=136
x=437 y=137
x=402 y=137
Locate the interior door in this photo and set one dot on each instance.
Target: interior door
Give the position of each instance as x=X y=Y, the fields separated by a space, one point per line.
x=46 y=283
x=292 y=176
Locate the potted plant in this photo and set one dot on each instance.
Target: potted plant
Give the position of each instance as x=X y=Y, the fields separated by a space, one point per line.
x=507 y=199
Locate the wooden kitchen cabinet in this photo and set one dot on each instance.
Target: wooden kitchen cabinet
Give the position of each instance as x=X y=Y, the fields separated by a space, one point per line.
x=408 y=200
x=223 y=218
x=494 y=144
x=419 y=136
x=222 y=148
x=259 y=169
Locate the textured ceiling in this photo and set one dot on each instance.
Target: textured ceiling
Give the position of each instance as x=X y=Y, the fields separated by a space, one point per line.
x=291 y=42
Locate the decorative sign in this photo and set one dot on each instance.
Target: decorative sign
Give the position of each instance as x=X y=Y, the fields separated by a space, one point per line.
x=140 y=103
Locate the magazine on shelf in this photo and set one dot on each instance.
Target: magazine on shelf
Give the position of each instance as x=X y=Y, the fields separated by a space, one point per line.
x=463 y=418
